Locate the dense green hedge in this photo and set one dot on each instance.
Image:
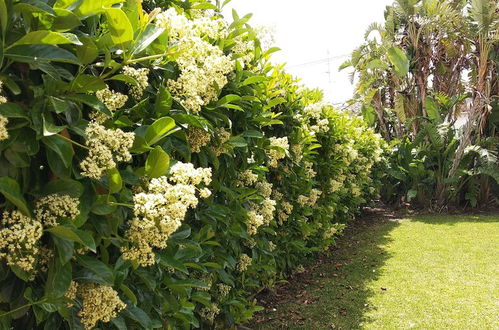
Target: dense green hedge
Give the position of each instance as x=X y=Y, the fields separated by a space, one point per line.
x=156 y=169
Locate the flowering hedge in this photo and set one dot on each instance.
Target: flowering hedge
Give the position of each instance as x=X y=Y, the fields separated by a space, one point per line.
x=156 y=169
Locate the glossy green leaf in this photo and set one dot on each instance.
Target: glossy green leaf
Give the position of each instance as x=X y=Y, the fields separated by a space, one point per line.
x=151 y=33
x=115 y=181
x=89 y=8
x=97 y=267
x=64 y=187
x=75 y=235
x=157 y=163
x=119 y=26
x=253 y=80
x=11 y=191
x=35 y=53
x=164 y=101
x=399 y=61
x=91 y=101
x=159 y=129
x=85 y=83
x=45 y=37
x=61 y=147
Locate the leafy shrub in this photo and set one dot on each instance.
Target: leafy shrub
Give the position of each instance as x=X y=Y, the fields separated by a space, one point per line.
x=157 y=169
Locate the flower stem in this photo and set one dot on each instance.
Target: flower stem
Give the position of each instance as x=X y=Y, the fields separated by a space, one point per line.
x=73 y=142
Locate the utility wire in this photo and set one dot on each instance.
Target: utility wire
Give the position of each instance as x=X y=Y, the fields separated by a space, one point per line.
x=317 y=62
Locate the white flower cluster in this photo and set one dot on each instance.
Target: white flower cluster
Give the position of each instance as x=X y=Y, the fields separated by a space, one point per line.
x=106 y=148
x=209 y=313
x=311 y=200
x=275 y=154
x=19 y=237
x=197 y=138
x=246 y=178
x=244 y=262
x=309 y=169
x=4 y=133
x=313 y=118
x=203 y=66
x=160 y=210
x=243 y=50
x=222 y=137
x=180 y=27
x=259 y=214
x=52 y=207
x=284 y=212
x=336 y=184
x=224 y=289
x=296 y=150
x=99 y=303
x=111 y=99
x=139 y=75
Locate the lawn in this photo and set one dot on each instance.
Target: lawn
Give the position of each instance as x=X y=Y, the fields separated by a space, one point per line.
x=421 y=272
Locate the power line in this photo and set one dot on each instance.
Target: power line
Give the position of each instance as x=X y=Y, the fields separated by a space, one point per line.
x=321 y=61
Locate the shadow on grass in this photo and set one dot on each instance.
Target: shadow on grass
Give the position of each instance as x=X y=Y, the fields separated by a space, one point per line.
x=335 y=294
x=454 y=220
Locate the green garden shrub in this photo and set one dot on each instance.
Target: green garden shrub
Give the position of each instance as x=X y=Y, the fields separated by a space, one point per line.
x=157 y=170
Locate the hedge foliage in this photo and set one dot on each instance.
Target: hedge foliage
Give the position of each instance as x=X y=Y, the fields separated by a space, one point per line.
x=157 y=169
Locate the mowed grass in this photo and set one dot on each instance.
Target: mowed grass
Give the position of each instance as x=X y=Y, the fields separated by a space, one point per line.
x=423 y=272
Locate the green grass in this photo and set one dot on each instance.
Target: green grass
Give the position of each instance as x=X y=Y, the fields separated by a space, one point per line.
x=424 y=272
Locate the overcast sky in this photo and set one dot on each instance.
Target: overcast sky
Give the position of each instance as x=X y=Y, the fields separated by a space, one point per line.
x=314 y=30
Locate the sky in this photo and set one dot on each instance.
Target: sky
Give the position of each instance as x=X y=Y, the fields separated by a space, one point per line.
x=313 y=31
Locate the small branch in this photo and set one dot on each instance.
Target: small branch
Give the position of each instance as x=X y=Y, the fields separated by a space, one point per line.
x=73 y=142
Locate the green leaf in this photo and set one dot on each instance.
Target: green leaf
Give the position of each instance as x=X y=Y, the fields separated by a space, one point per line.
x=45 y=37
x=75 y=235
x=169 y=261
x=411 y=194
x=101 y=205
x=253 y=80
x=65 y=20
x=135 y=313
x=40 y=53
x=124 y=78
x=151 y=33
x=126 y=290
x=13 y=110
x=58 y=279
x=432 y=110
x=377 y=64
x=119 y=26
x=399 y=61
x=157 y=163
x=91 y=101
x=64 y=248
x=61 y=147
x=253 y=134
x=164 y=101
x=85 y=83
x=97 y=267
x=238 y=142
x=90 y=8
x=64 y=187
x=115 y=181
x=11 y=190
x=228 y=99
x=4 y=18
x=159 y=129
x=49 y=128
x=274 y=102
x=88 y=52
